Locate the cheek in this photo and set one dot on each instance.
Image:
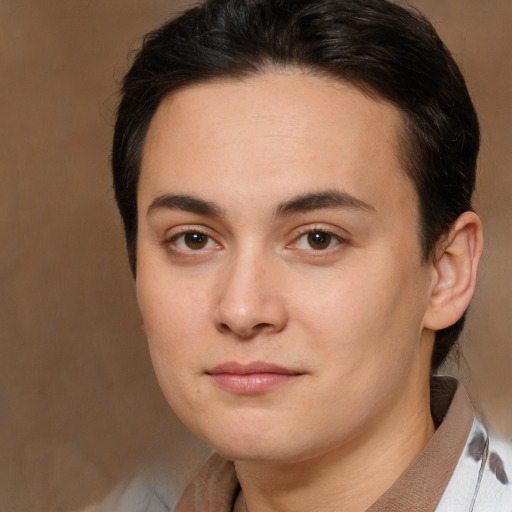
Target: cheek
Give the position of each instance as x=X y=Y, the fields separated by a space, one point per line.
x=363 y=311
x=168 y=302
x=179 y=340
x=173 y=332
x=174 y=320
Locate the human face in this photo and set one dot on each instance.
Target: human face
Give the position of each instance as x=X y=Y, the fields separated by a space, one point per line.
x=279 y=268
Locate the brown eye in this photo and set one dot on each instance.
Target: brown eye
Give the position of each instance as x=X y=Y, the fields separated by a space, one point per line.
x=318 y=240
x=195 y=241
x=191 y=243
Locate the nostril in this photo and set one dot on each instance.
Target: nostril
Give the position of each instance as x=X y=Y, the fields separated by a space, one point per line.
x=224 y=328
x=247 y=332
x=263 y=326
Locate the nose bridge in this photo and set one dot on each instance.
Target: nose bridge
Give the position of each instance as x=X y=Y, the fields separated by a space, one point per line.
x=249 y=301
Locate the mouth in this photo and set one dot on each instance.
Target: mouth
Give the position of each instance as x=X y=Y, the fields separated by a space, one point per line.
x=253 y=378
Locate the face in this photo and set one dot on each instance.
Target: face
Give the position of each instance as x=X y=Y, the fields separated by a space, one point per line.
x=279 y=268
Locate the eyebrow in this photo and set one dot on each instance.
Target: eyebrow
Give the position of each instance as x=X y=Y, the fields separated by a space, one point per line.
x=299 y=204
x=186 y=203
x=321 y=200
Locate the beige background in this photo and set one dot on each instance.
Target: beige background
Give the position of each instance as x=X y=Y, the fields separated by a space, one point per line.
x=80 y=406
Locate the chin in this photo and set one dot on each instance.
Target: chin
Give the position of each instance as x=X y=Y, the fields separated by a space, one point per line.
x=261 y=452
x=280 y=451
x=275 y=447
x=242 y=441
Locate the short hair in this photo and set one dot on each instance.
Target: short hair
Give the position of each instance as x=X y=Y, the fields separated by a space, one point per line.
x=379 y=47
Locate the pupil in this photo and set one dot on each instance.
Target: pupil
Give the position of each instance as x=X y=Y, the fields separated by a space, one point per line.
x=195 y=240
x=319 y=240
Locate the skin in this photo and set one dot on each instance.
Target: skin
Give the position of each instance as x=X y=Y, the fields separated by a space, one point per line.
x=240 y=181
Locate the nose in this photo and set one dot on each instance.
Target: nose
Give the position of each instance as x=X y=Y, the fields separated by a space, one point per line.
x=250 y=301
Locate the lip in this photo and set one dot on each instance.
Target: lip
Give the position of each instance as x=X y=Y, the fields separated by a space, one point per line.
x=253 y=378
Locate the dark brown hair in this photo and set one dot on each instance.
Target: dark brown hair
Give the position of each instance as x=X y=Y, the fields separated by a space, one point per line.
x=375 y=45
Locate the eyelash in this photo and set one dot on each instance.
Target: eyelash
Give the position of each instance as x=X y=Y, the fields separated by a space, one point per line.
x=171 y=242
x=318 y=252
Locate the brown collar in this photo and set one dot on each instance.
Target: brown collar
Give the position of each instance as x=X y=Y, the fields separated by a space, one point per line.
x=214 y=488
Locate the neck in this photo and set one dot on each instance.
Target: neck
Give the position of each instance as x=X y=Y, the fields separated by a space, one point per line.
x=349 y=478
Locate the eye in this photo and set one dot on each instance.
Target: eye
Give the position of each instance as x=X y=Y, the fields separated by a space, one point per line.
x=192 y=241
x=318 y=240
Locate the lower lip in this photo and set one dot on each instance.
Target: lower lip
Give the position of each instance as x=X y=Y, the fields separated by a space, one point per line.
x=252 y=383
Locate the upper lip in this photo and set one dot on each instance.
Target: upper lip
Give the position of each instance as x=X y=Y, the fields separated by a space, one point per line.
x=254 y=367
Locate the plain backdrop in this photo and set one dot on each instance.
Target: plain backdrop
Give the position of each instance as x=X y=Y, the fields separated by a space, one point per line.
x=80 y=405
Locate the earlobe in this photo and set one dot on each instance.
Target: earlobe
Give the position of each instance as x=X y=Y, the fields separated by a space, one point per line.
x=455 y=272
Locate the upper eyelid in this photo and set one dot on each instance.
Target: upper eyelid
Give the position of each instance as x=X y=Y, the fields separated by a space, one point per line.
x=338 y=238
x=339 y=233
x=183 y=230
x=326 y=232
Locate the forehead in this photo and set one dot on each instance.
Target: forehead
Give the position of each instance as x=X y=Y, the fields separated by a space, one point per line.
x=272 y=133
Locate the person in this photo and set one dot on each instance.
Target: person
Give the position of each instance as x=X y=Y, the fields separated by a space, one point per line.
x=295 y=182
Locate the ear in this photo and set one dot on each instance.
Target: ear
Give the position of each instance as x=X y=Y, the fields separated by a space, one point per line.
x=455 y=272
